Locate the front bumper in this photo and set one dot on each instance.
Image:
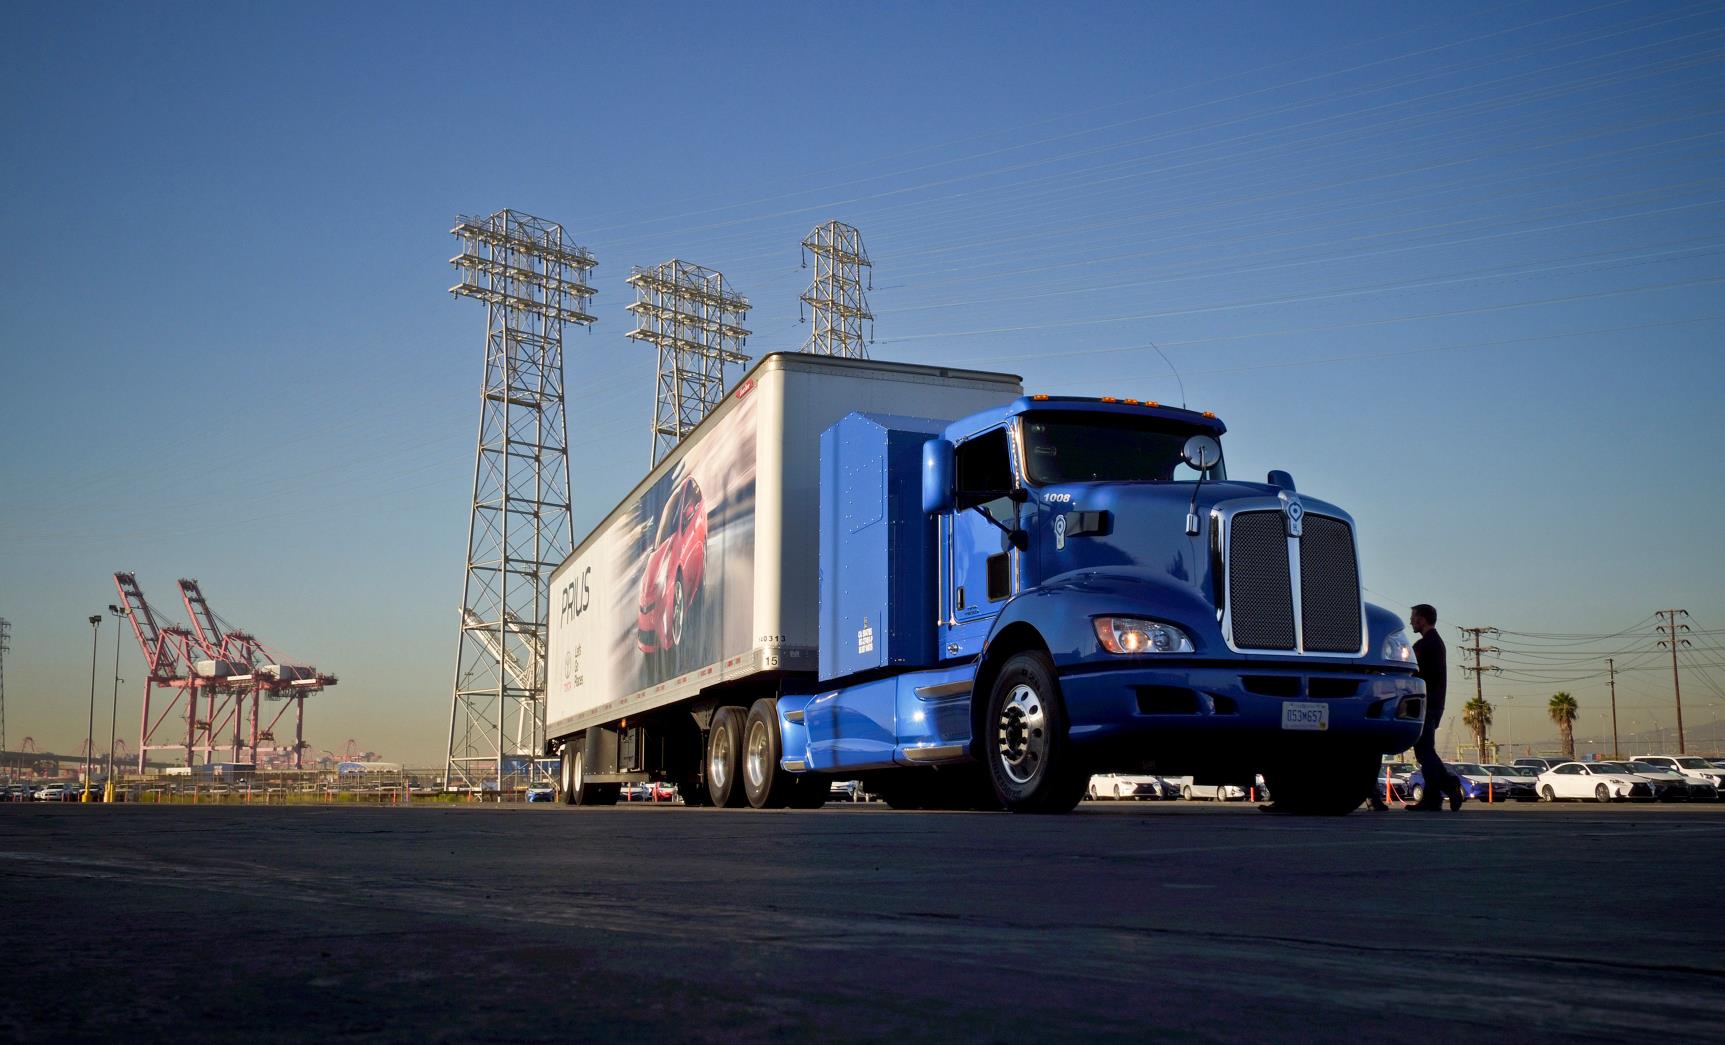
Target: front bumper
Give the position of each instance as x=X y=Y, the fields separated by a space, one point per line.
x=1180 y=712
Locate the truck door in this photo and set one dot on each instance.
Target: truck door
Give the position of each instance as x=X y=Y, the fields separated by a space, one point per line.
x=980 y=573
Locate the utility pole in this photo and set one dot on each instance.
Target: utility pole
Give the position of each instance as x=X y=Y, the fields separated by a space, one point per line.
x=1673 y=632
x=1611 y=676
x=1478 y=670
x=5 y=644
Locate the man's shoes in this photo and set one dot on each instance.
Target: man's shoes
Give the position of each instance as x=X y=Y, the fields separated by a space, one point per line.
x=1456 y=797
x=1429 y=804
x=1272 y=809
x=1376 y=804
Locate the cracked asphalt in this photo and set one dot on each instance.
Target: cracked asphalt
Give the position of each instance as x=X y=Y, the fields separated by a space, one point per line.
x=1176 y=921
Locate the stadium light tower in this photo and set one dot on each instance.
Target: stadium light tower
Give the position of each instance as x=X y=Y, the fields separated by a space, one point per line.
x=837 y=305
x=696 y=322
x=532 y=280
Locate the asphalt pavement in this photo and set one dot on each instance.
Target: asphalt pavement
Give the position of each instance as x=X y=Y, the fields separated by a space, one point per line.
x=1127 y=921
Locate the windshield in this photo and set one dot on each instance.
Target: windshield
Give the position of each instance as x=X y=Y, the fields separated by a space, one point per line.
x=1090 y=448
x=1695 y=763
x=1468 y=769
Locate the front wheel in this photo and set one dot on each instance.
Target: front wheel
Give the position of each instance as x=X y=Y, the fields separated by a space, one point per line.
x=1602 y=793
x=1419 y=793
x=1546 y=794
x=1031 y=761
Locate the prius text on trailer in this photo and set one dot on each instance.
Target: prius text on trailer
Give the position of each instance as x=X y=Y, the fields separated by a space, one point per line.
x=967 y=597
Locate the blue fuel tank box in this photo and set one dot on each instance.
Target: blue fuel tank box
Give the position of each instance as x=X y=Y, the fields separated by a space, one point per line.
x=877 y=597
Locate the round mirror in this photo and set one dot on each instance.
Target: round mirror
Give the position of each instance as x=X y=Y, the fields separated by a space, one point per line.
x=1202 y=452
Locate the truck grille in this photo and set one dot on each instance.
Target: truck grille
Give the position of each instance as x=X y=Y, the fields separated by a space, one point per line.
x=1261 y=603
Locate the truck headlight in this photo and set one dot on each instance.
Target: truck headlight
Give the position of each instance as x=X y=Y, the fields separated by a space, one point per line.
x=1132 y=635
x=1398 y=648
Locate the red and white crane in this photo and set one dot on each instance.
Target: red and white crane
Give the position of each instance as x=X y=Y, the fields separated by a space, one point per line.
x=172 y=662
x=262 y=674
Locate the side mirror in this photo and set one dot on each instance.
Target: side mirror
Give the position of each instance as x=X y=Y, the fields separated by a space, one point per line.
x=937 y=476
x=1201 y=452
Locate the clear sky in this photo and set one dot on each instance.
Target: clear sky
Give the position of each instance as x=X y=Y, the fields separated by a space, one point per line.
x=1458 y=267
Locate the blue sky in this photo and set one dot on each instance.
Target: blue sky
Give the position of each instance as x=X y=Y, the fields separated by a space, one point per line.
x=1456 y=267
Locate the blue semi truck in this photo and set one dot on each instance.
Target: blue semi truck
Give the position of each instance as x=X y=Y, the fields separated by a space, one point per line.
x=968 y=598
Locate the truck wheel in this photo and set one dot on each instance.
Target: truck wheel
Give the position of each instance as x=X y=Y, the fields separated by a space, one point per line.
x=809 y=791
x=570 y=777
x=765 y=782
x=1336 y=789
x=1031 y=760
x=576 y=790
x=724 y=758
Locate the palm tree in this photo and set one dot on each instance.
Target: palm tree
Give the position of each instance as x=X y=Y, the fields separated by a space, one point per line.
x=1476 y=716
x=1564 y=711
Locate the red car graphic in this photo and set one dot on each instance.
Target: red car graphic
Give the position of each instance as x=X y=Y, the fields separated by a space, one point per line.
x=674 y=571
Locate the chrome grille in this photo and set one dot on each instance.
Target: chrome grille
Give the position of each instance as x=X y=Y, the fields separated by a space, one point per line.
x=1260 y=591
x=1329 y=587
x=1268 y=608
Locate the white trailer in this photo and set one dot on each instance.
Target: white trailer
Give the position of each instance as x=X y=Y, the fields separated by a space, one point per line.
x=700 y=588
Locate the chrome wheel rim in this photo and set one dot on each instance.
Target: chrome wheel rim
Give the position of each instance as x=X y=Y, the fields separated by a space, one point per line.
x=755 y=755
x=719 y=759
x=1021 y=734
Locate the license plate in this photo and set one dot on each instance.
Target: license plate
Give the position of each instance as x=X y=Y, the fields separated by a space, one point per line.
x=1305 y=716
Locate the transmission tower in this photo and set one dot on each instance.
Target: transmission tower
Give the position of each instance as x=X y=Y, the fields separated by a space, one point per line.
x=5 y=644
x=532 y=280
x=837 y=307
x=696 y=323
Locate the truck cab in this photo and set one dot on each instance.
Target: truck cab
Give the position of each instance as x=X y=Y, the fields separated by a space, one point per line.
x=1108 y=599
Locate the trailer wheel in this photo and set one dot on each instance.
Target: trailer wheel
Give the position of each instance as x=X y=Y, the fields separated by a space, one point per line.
x=576 y=791
x=571 y=772
x=724 y=758
x=1031 y=760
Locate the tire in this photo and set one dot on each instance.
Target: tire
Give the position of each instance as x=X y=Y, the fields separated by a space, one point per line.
x=725 y=759
x=1119 y=795
x=576 y=791
x=1185 y=792
x=1418 y=793
x=1031 y=759
x=1337 y=790
x=765 y=782
x=1546 y=794
x=569 y=779
x=1602 y=793
x=809 y=791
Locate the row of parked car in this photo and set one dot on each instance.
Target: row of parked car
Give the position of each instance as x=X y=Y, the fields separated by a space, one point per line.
x=52 y=791
x=1664 y=778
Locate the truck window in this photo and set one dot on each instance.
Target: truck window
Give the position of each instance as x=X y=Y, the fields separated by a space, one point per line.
x=1098 y=447
x=984 y=467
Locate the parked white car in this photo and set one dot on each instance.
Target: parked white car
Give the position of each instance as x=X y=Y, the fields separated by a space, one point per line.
x=1698 y=770
x=1126 y=785
x=1578 y=780
x=1214 y=792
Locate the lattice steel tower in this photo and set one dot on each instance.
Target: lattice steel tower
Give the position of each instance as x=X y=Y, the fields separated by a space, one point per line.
x=837 y=305
x=533 y=282
x=686 y=311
